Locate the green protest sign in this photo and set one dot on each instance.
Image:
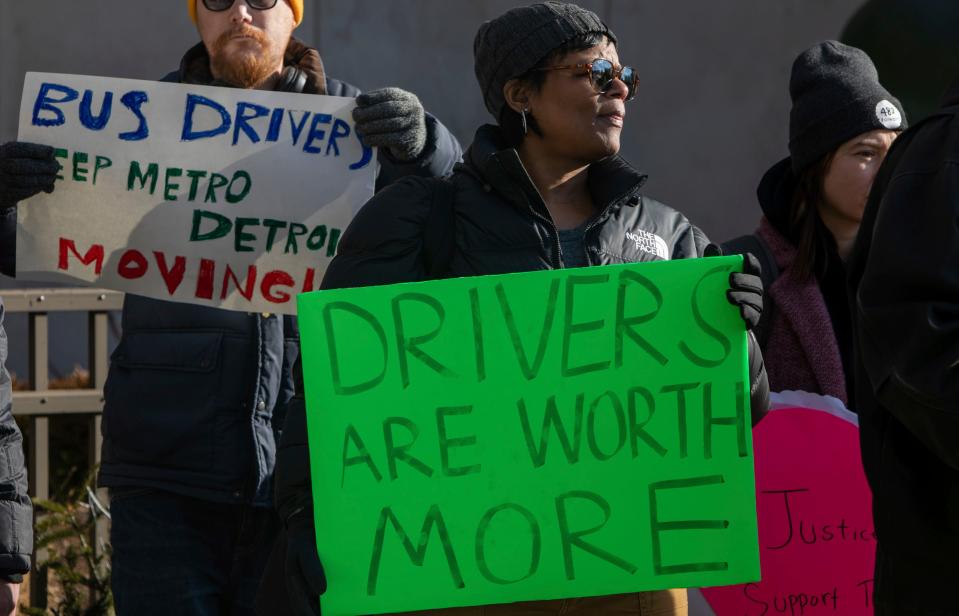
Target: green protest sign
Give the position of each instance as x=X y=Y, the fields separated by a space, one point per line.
x=542 y=435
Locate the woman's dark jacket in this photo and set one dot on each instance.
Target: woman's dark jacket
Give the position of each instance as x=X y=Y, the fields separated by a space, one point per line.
x=501 y=226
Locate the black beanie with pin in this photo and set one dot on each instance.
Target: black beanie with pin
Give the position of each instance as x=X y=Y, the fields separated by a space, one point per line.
x=836 y=95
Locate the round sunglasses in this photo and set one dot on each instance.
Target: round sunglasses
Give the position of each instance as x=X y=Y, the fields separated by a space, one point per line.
x=223 y=5
x=602 y=72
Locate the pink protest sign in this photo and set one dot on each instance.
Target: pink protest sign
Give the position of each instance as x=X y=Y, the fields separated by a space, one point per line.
x=816 y=536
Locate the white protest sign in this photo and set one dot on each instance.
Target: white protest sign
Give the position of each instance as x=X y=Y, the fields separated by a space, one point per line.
x=215 y=196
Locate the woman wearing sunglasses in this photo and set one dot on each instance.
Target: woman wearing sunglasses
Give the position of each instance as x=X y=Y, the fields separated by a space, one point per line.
x=543 y=189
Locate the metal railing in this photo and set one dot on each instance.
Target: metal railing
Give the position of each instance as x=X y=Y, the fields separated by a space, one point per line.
x=40 y=402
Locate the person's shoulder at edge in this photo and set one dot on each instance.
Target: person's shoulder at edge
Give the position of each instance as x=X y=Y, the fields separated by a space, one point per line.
x=384 y=243
x=392 y=218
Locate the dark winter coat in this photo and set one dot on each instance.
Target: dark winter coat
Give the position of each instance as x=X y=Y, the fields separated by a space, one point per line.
x=904 y=291
x=501 y=225
x=16 y=512
x=196 y=396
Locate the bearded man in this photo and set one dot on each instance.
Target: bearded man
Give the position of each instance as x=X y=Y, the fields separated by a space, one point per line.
x=196 y=396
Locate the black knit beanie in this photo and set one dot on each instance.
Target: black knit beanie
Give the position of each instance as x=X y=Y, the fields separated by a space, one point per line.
x=516 y=41
x=836 y=95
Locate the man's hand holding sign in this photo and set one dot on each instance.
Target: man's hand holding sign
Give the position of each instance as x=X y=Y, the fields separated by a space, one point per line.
x=473 y=444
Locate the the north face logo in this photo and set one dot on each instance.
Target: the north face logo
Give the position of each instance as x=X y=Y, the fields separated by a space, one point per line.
x=649 y=243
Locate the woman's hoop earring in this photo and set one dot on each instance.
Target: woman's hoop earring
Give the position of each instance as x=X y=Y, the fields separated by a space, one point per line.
x=523 y=118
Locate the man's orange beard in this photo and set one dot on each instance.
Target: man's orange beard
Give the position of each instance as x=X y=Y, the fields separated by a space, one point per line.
x=244 y=70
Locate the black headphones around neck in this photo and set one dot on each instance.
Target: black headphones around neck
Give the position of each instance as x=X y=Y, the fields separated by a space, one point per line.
x=292 y=79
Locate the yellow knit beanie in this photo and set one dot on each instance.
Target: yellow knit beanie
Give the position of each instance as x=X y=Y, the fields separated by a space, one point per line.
x=296 y=4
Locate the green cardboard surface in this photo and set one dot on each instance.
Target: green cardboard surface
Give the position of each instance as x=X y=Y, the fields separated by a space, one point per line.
x=540 y=435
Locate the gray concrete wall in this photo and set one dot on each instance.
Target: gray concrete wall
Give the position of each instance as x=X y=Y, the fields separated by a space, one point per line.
x=710 y=117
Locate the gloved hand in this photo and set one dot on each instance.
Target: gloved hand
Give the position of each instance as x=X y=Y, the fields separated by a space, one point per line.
x=305 y=579
x=745 y=288
x=25 y=170
x=394 y=119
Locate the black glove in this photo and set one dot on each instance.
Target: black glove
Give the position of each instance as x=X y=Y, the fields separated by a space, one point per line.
x=25 y=170
x=394 y=119
x=305 y=579
x=745 y=288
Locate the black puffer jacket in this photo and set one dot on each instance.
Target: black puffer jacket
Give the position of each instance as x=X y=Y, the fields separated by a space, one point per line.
x=16 y=512
x=904 y=284
x=501 y=226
